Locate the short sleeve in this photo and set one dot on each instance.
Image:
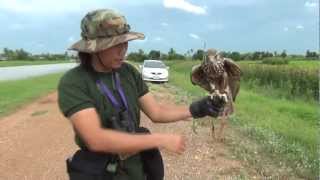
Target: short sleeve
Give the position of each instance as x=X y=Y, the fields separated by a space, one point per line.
x=142 y=87
x=73 y=96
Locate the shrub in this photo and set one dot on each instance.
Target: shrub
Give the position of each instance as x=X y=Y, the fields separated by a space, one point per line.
x=275 y=61
x=292 y=81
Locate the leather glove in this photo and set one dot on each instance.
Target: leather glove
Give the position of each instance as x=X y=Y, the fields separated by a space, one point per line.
x=207 y=107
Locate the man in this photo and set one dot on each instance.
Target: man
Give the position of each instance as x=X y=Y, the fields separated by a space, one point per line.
x=103 y=97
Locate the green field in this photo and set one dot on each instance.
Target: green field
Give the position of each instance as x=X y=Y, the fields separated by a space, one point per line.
x=301 y=64
x=23 y=63
x=16 y=93
x=288 y=129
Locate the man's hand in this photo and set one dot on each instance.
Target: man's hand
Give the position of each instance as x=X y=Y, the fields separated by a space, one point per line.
x=173 y=143
x=207 y=106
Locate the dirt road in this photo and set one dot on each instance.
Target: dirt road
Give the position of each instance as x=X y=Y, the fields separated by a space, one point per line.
x=35 y=141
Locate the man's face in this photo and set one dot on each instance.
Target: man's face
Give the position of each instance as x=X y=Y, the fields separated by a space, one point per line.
x=113 y=57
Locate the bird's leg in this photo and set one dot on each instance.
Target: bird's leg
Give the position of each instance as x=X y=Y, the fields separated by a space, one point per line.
x=194 y=126
x=212 y=129
x=223 y=124
x=213 y=90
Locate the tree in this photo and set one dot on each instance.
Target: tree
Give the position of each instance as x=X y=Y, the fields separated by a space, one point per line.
x=283 y=54
x=256 y=56
x=8 y=53
x=171 y=54
x=311 y=55
x=180 y=57
x=268 y=54
x=163 y=56
x=154 y=54
x=198 y=55
x=235 y=56
x=308 y=54
x=22 y=54
x=188 y=54
x=139 y=56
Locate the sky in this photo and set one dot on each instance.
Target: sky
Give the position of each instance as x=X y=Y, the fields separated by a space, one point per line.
x=51 y=26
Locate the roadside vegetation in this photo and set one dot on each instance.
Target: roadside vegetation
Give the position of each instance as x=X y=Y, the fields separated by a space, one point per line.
x=17 y=93
x=20 y=57
x=284 y=81
x=29 y=62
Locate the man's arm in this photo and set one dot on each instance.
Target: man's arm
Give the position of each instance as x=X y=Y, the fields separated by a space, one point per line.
x=87 y=124
x=162 y=113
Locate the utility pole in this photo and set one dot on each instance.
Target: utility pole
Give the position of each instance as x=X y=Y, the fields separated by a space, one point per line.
x=204 y=51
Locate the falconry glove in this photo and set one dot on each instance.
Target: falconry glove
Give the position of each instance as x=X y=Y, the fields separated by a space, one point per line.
x=207 y=106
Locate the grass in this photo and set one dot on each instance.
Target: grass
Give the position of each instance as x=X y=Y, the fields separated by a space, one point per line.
x=302 y=64
x=16 y=93
x=292 y=82
x=23 y=63
x=287 y=129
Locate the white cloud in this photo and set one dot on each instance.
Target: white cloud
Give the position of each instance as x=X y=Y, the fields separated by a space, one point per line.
x=309 y=4
x=184 y=5
x=286 y=29
x=299 y=27
x=164 y=24
x=194 y=36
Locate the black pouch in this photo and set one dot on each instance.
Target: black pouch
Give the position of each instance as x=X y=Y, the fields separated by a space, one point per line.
x=151 y=160
x=88 y=164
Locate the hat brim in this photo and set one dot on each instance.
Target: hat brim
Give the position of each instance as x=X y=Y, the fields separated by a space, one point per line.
x=99 y=44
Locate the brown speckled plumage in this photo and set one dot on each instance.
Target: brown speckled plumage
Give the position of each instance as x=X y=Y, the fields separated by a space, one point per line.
x=220 y=77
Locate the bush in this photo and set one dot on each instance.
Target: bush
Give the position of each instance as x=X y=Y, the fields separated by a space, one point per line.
x=275 y=61
x=293 y=81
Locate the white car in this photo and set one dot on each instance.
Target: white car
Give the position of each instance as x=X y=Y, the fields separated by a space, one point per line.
x=154 y=70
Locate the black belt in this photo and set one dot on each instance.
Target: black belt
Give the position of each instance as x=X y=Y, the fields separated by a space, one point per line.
x=92 y=163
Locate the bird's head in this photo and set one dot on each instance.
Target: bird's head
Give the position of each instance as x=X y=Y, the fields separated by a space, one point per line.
x=212 y=56
x=213 y=63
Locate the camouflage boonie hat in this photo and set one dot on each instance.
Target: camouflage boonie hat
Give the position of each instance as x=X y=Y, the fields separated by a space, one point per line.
x=102 y=29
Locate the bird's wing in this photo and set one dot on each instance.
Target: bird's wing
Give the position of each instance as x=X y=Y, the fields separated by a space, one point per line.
x=234 y=74
x=198 y=77
x=231 y=67
x=234 y=84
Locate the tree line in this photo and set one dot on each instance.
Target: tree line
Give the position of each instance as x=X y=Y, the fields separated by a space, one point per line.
x=140 y=55
x=191 y=54
x=21 y=54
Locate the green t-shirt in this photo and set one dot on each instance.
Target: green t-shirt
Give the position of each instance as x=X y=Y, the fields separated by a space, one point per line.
x=77 y=90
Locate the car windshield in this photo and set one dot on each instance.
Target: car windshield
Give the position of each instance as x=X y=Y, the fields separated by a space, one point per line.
x=154 y=64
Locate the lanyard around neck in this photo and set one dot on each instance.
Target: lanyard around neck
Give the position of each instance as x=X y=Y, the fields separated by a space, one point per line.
x=106 y=91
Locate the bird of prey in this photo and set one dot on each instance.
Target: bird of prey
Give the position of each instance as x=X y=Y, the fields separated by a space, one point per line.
x=220 y=77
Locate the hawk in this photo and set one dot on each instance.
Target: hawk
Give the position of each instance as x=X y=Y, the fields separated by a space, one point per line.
x=220 y=77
